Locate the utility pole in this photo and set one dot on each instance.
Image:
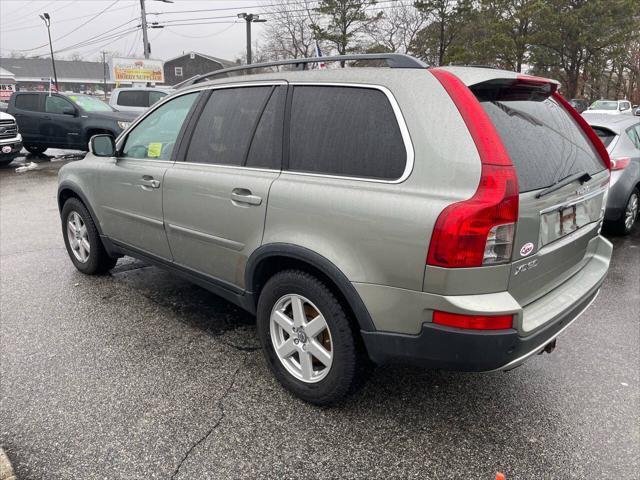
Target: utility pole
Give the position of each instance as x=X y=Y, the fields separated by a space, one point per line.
x=145 y=39
x=104 y=72
x=250 y=18
x=47 y=21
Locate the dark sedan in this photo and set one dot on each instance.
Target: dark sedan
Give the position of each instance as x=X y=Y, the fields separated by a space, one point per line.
x=621 y=135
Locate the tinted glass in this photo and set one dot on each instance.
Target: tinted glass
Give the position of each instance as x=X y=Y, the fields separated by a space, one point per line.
x=545 y=144
x=55 y=104
x=155 y=96
x=634 y=135
x=345 y=131
x=26 y=101
x=133 y=98
x=605 y=135
x=224 y=129
x=155 y=136
x=266 y=146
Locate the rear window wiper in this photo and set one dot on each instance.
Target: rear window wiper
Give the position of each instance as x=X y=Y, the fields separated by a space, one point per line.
x=583 y=177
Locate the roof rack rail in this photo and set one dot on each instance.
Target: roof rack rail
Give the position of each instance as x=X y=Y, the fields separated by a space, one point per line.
x=394 y=60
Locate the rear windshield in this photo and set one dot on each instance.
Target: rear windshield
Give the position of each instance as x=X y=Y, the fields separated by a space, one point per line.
x=605 y=135
x=545 y=144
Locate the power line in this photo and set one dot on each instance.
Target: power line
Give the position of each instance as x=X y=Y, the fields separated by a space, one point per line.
x=72 y=31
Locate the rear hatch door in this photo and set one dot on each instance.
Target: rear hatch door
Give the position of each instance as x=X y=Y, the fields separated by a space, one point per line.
x=562 y=182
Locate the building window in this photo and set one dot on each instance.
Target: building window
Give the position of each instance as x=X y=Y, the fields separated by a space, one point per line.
x=178 y=71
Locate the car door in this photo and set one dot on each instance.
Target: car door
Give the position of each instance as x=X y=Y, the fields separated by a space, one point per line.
x=215 y=196
x=29 y=110
x=59 y=128
x=129 y=188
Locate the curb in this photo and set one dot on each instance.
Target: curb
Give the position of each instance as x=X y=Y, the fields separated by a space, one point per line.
x=6 y=470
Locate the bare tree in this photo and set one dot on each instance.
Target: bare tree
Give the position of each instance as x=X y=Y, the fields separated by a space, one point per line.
x=288 y=32
x=398 y=27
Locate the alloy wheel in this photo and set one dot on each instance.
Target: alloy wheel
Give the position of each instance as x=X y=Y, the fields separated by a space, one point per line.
x=78 y=237
x=301 y=338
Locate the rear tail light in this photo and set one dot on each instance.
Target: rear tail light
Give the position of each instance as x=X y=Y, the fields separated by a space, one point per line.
x=473 y=322
x=620 y=163
x=478 y=231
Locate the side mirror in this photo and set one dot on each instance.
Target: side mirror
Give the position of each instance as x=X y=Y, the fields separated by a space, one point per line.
x=69 y=111
x=102 y=145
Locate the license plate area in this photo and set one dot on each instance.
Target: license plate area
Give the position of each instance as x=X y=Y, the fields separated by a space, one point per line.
x=561 y=220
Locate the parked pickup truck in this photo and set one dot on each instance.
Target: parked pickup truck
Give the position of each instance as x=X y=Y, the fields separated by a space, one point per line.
x=64 y=121
x=10 y=139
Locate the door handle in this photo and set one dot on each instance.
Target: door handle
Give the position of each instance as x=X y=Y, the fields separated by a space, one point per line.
x=242 y=195
x=147 y=182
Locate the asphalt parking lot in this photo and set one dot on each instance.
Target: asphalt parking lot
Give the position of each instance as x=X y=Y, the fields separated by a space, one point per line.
x=142 y=375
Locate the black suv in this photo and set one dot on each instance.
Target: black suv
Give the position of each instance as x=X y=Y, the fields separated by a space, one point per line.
x=64 y=121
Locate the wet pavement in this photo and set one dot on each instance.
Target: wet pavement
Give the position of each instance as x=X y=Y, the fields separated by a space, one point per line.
x=139 y=374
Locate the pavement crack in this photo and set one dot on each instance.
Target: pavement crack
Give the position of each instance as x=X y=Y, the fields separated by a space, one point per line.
x=208 y=433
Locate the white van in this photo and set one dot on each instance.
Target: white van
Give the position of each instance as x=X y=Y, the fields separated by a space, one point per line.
x=136 y=99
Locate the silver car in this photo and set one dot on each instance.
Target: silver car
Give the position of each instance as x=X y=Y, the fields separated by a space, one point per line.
x=444 y=217
x=621 y=136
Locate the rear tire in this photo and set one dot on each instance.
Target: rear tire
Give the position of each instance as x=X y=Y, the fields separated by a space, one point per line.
x=35 y=149
x=306 y=347
x=82 y=240
x=624 y=225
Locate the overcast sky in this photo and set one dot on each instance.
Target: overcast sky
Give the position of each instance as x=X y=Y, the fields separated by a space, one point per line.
x=216 y=31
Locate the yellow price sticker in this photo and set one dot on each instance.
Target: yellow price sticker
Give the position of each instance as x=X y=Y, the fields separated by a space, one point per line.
x=154 y=150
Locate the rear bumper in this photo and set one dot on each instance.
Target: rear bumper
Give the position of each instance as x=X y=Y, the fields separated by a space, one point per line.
x=453 y=349
x=437 y=346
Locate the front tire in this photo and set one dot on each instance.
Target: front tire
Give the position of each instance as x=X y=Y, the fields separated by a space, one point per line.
x=82 y=240
x=307 y=338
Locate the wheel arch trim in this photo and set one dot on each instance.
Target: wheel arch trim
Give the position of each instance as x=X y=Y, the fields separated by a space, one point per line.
x=75 y=189
x=317 y=261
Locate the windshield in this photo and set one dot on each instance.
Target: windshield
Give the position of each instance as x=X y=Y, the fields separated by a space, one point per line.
x=90 y=104
x=604 y=105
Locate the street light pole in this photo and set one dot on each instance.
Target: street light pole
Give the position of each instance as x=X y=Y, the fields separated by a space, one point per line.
x=250 y=18
x=47 y=21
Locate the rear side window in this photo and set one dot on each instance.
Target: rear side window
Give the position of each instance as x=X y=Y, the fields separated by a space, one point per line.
x=345 y=131
x=226 y=126
x=634 y=135
x=545 y=144
x=28 y=101
x=133 y=98
x=605 y=135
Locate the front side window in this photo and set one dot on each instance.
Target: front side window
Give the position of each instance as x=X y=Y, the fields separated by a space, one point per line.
x=155 y=96
x=345 y=131
x=155 y=136
x=55 y=104
x=226 y=125
x=28 y=101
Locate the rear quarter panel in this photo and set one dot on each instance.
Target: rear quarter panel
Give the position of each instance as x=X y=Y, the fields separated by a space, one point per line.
x=379 y=232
